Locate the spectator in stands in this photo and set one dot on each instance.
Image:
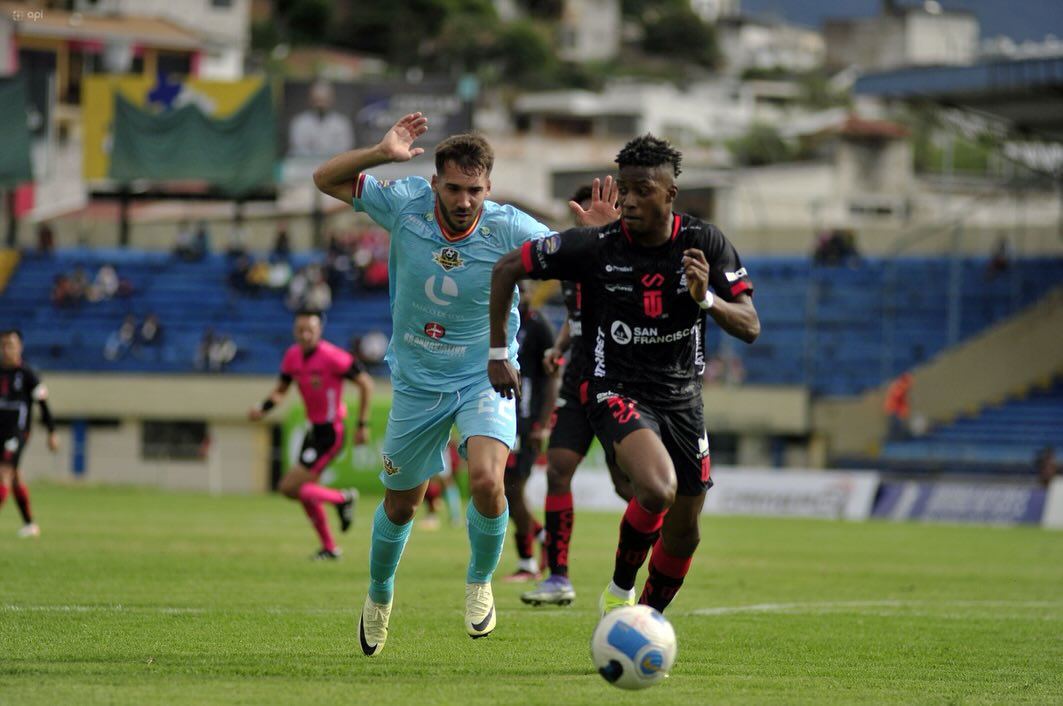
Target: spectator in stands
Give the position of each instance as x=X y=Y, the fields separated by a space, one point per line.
x=1045 y=466
x=105 y=284
x=320 y=130
x=318 y=293
x=201 y=241
x=121 y=340
x=280 y=272
x=836 y=247
x=897 y=408
x=184 y=246
x=237 y=237
x=1000 y=259
x=215 y=351
x=149 y=335
x=258 y=275
x=45 y=239
x=80 y=283
x=282 y=248
x=63 y=292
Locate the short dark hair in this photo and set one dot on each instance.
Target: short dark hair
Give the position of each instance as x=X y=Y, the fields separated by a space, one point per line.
x=11 y=332
x=582 y=194
x=470 y=152
x=310 y=312
x=649 y=151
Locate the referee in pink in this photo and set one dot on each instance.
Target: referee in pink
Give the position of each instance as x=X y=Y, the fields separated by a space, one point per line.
x=319 y=369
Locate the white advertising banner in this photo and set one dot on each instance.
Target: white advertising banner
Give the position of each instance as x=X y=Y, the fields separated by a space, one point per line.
x=1053 y=516
x=844 y=495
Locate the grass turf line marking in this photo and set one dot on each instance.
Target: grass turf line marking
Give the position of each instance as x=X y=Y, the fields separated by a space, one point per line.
x=832 y=606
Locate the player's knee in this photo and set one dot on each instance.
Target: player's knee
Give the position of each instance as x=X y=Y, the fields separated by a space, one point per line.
x=485 y=485
x=400 y=509
x=658 y=494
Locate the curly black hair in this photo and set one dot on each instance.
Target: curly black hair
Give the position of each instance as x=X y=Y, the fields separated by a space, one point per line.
x=649 y=151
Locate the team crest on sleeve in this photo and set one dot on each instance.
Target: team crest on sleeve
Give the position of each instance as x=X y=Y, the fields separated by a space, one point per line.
x=448 y=258
x=551 y=244
x=385 y=183
x=389 y=466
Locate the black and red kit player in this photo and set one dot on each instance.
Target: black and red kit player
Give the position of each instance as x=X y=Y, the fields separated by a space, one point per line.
x=645 y=282
x=20 y=387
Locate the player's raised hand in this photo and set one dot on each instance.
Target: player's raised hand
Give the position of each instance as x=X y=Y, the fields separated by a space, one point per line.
x=398 y=141
x=696 y=268
x=504 y=378
x=603 y=206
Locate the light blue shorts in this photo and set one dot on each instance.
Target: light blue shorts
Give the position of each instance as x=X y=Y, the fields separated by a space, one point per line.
x=419 y=428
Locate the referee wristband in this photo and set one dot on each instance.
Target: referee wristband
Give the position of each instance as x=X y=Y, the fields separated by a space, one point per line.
x=500 y=353
x=267 y=404
x=708 y=301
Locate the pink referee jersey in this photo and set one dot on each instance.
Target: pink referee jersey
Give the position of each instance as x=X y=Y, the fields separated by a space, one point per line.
x=320 y=378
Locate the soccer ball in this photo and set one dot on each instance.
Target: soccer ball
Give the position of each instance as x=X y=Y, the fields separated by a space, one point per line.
x=633 y=647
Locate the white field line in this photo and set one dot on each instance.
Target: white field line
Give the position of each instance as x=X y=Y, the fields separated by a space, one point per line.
x=857 y=606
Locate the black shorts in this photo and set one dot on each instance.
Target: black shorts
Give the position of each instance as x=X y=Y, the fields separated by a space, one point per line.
x=572 y=430
x=322 y=443
x=682 y=431
x=521 y=458
x=12 y=441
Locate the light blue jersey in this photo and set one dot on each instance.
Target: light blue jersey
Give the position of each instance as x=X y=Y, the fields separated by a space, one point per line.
x=440 y=288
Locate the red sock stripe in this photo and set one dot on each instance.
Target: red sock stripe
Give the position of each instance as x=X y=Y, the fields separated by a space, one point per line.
x=642 y=519
x=668 y=564
x=557 y=503
x=3 y=493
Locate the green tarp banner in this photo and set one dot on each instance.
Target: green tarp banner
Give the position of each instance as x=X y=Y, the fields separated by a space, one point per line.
x=15 y=165
x=236 y=154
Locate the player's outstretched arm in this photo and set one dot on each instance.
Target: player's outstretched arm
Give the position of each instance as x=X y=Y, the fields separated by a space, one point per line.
x=504 y=378
x=336 y=176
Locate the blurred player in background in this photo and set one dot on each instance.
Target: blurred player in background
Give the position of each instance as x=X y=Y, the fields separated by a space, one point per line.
x=19 y=389
x=570 y=440
x=445 y=238
x=319 y=369
x=645 y=286
x=444 y=484
x=534 y=409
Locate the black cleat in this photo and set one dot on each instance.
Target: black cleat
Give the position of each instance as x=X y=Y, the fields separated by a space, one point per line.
x=346 y=509
x=327 y=555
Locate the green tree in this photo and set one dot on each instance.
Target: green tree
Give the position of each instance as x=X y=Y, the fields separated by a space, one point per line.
x=526 y=53
x=679 y=33
x=761 y=145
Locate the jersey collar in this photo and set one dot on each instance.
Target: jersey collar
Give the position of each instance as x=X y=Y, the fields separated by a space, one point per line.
x=675 y=229
x=452 y=237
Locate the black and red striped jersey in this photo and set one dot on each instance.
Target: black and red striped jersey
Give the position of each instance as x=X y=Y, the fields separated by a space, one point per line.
x=642 y=331
x=16 y=397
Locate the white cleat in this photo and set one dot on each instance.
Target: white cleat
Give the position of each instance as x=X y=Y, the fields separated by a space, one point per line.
x=29 y=530
x=479 y=610
x=373 y=626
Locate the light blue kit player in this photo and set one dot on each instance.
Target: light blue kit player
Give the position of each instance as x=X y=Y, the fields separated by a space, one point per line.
x=445 y=240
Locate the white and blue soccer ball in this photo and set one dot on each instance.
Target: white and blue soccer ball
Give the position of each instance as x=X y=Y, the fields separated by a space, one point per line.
x=633 y=647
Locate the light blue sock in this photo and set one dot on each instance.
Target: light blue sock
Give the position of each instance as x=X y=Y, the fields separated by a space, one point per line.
x=389 y=539
x=453 y=498
x=486 y=537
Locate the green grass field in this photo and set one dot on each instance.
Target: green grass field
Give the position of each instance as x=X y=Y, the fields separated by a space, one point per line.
x=139 y=597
